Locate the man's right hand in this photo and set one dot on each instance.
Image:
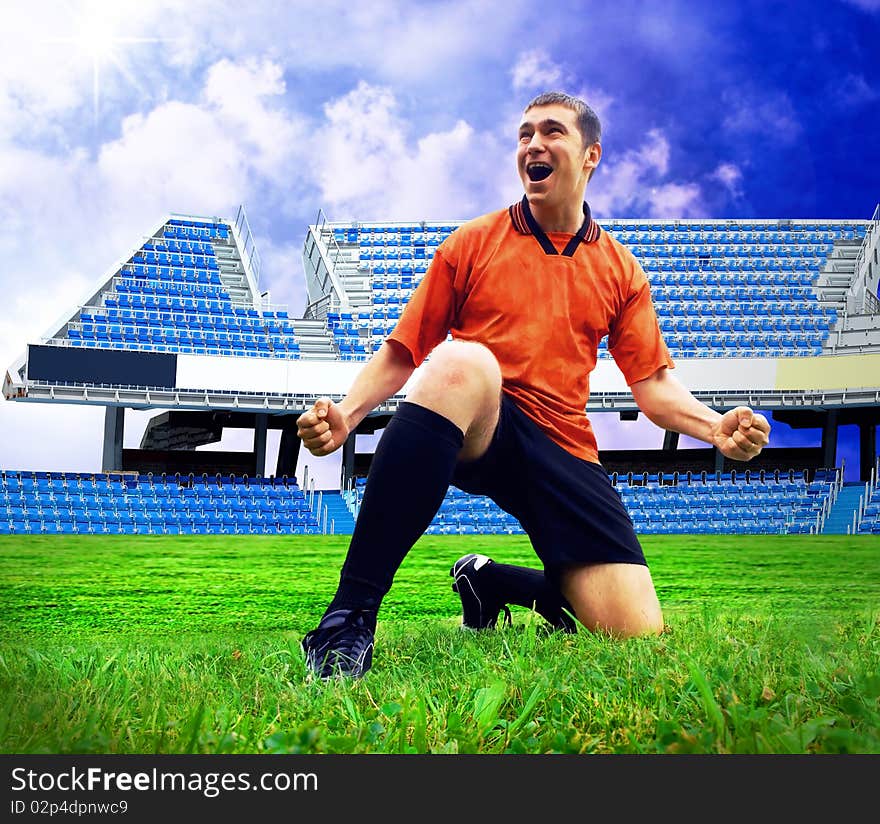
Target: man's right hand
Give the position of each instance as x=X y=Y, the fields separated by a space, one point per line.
x=323 y=429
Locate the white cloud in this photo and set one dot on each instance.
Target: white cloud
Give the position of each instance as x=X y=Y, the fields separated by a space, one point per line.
x=676 y=200
x=853 y=91
x=730 y=175
x=38 y=77
x=239 y=92
x=767 y=113
x=423 y=41
x=534 y=70
x=389 y=39
x=206 y=157
x=362 y=140
x=370 y=168
x=654 y=154
x=635 y=184
x=177 y=156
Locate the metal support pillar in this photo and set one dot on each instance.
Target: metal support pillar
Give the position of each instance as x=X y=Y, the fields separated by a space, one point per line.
x=348 y=450
x=829 y=439
x=114 y=429
x=288 y=452
x=867 y=449
x=261 y=425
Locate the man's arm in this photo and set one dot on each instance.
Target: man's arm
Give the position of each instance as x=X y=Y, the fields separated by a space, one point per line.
x=326 y=426
x=382 y=376
x=739 y=434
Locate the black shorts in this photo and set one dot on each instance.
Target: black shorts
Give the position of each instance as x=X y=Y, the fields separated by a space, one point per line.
x=567 y=506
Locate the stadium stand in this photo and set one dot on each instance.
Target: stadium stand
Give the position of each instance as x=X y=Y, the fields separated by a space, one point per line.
x=777 y=314
x=131 y=504
x=708 y=503
x=696 y=269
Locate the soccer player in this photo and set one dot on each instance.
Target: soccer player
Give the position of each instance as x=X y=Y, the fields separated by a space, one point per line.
x=527 y=293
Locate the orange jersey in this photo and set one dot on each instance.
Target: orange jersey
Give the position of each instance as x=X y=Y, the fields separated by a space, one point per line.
x=541 y=303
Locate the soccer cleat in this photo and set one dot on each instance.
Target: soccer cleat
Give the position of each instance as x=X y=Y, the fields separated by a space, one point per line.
x=479 y=610
x=480 y=607
x=342 y=644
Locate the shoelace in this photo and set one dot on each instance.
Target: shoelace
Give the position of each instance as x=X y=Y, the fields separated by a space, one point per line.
x=348 y=639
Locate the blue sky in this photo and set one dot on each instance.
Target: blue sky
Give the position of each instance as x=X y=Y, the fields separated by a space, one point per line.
x=114 y=114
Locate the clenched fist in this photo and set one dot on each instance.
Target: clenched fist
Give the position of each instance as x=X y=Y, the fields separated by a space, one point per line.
x=741 y=434
x=323 y=429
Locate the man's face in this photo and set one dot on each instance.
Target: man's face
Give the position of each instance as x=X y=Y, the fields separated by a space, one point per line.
x=552 y=160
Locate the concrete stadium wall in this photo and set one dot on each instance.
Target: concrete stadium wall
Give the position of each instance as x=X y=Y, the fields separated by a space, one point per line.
x=335 y=378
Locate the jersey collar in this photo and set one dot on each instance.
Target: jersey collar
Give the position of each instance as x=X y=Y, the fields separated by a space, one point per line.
x=524 y=222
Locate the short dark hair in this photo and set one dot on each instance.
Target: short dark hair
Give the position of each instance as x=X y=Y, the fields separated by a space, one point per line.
x=587 y=120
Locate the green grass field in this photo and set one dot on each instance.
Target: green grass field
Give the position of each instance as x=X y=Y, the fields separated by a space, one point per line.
x=191 y=644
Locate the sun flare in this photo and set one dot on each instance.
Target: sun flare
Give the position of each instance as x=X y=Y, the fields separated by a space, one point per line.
x=95 y=39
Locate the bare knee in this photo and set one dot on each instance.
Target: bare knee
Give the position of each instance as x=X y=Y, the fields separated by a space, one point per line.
x=462 y=381
x=457 y=363
x=614 y=599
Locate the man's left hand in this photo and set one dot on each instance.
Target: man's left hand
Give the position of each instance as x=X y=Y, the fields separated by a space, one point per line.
x=741 y=434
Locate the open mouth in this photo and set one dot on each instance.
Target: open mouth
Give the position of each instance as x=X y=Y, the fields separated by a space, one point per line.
x=538 y=171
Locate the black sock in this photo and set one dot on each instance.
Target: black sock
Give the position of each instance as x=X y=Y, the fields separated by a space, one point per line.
x=526 y=587
x=408 y=479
